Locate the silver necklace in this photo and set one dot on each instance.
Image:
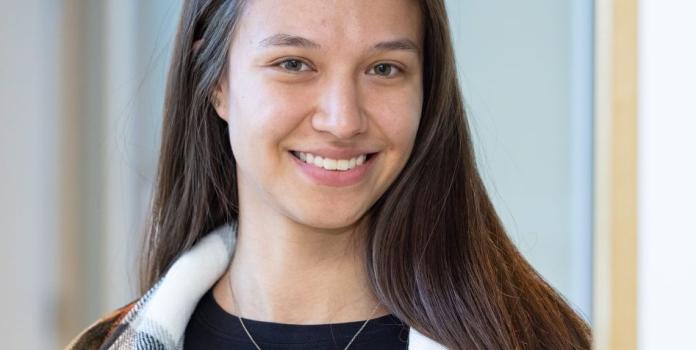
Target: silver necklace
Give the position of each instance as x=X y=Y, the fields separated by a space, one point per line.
x=229 y=285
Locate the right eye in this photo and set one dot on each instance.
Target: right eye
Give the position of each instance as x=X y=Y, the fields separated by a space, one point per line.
x=292 y=65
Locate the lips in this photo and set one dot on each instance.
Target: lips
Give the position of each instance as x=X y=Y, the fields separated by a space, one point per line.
x=333 y=172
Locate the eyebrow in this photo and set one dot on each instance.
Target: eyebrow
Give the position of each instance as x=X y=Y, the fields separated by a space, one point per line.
x=282 y=39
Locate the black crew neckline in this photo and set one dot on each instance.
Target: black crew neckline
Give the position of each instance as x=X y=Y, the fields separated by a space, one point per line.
x=227 y=325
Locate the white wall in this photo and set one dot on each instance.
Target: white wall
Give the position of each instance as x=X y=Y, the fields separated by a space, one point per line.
x=667 y=175
x=28 y=172
x=526 y=71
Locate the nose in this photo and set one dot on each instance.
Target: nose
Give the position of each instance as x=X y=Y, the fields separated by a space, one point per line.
x=340 y=111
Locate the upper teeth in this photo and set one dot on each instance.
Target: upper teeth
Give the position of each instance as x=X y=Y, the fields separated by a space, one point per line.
x=331 y=164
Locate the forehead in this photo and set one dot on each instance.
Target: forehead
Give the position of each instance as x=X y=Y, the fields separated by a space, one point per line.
x=356 y=23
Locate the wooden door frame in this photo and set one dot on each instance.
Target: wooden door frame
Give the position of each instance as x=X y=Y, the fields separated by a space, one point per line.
x=615 y=232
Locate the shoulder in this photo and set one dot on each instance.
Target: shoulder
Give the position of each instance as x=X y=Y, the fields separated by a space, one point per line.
x=94 y=336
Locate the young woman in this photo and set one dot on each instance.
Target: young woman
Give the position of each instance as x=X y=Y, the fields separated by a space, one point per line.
x=317 y=189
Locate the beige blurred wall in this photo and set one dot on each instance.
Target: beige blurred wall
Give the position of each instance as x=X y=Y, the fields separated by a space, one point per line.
x=80 y=101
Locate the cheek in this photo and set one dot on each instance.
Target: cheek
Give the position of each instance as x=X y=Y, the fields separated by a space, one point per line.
x=264 y=113
x=397 y=115
x=250 y=101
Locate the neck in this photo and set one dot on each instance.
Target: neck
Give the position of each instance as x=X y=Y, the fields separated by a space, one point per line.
x=297 y=275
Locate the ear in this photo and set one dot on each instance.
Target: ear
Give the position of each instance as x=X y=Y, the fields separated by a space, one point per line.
x=219 y=95
x=219 y=99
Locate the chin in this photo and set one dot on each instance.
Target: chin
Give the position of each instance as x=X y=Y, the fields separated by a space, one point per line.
x=324 y=220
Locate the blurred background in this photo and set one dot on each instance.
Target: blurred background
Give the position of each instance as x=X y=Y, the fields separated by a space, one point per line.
x=582 y=124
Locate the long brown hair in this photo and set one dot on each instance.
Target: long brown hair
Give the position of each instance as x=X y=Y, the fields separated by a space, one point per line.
x=437 y=256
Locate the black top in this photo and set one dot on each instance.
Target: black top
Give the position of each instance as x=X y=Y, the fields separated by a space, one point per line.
x=211 y=327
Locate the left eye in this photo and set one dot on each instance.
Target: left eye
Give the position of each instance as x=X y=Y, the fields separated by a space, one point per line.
x=292 y=65
x=385 y=69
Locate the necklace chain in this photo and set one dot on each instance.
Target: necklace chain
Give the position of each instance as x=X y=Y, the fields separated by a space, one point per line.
x=229 y=286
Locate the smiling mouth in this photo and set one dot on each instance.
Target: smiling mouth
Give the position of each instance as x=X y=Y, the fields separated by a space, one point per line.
x=332 y=164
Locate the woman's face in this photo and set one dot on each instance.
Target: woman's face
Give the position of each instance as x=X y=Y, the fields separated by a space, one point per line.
x=323 y=100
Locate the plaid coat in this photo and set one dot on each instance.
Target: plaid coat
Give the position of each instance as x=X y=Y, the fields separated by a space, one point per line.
x=158 y=319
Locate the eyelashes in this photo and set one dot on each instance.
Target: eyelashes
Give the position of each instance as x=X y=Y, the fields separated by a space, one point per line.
x=292 y=64
x=388 y=67
x=296 y=66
